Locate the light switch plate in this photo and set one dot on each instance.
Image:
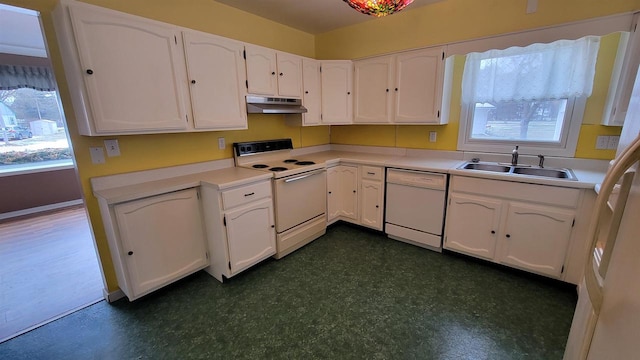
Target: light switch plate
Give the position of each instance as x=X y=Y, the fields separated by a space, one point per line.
x=433 y=136
x=532 y=6
x=602 y=142
x=97 y=155
x=221 y=143
x=613 y=142
x=113 y=149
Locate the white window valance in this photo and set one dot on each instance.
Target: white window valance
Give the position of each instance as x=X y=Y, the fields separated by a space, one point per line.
x=23 y=76
x=558 y=70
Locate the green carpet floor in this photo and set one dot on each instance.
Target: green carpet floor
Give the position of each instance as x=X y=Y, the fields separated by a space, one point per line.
x=352 y=294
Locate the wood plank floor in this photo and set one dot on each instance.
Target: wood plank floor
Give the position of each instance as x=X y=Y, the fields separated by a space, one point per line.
x=48 y=267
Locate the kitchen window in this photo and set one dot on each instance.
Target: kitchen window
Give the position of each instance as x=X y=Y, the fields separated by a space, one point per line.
x=530 y=96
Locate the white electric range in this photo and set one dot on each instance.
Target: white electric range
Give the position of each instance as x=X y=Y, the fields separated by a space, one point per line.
x=299 y=191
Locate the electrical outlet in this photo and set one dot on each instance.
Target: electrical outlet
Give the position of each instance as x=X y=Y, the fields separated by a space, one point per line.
x=602 y=142
x=221 y=143
x=532 y=6
x=433 y=136
x=613 y=142
x=113 y=149
x=97 y=155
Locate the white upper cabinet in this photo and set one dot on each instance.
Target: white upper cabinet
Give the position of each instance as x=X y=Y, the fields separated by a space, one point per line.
x=289 y=75
x=216 y=72
x=373 y=80
x=312 y=87
x=337 y=92
x=418 y=86
x=128 y=73
x=625 y=69
x=405 y=88
x=273 y=73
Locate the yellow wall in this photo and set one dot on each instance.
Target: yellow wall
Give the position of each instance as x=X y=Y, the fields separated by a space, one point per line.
x=140 y=152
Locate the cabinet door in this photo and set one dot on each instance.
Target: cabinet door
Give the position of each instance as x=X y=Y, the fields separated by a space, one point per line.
x=348 y=190
x=472 y=225
x=373 y=82
x=261 y=70
x=162 y=240
x=251 y=234
x=333 y=193
x=133 y=72
x=418 y=91
x=289 y=75
x=311 y=95
x=371 y=204
x=217 y=81
x=337 y=98
x=536 y=238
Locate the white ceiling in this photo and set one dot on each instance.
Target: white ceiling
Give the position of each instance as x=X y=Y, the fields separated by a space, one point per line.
x=311 y=16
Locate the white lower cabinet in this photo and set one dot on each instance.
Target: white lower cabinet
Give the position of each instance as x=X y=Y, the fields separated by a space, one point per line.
x=240 y=226
x=525 y=226
x=342 y=193
x=472 y=224
x=356 y=194
x=161 y=239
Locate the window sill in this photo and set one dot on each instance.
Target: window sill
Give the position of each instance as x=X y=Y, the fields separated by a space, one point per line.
x=21 y=169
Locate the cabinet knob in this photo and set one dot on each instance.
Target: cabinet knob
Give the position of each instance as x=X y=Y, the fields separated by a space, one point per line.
x=281 y=74
x=348 y=92
x=396 y=89
x=306 y=92
x=130 y=253
x=493 y=231
x=508 y=235
x=377 y=206
x=387 y=90
x=329 y=192
x=193 y=81
x=273 y=226
x=89 y=71
x=273 y=73
x=354 y=191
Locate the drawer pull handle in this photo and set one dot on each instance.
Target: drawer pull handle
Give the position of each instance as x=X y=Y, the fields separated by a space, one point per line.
x=249 y=194
x=493 y=231
x=508 y=235
x=370 y=173
x=130 y=253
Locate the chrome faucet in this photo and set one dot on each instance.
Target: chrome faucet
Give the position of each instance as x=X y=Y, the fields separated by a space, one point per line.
x=541 y=163
x=514 y=156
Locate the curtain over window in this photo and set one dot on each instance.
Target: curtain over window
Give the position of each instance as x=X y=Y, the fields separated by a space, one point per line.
x=559 y=70
x=20 y=76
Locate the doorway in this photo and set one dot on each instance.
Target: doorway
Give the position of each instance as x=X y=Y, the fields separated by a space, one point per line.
x=48 y=261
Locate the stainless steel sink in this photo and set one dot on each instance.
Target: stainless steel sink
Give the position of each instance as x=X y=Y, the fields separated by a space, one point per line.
x=521 y=170
x=552 y=173
x=486 y=167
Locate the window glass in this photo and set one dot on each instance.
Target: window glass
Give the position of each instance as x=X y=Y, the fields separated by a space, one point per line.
x=521 y=121
x=32 y=130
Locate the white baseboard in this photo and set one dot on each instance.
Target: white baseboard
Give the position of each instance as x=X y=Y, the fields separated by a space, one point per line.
x=38 y=209
x=112 y=296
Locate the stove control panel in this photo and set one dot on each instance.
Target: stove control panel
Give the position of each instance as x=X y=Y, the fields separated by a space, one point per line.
x=257 y=147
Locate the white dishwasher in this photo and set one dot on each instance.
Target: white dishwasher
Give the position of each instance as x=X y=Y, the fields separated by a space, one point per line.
x=415 y=207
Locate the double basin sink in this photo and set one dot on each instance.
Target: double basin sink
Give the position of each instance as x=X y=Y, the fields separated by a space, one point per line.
x=566 y=174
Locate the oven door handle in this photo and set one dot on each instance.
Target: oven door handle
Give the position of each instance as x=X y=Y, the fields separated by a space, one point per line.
x=303 y=176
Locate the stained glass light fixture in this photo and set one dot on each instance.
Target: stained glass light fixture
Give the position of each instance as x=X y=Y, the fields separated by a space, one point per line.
x=378 y=8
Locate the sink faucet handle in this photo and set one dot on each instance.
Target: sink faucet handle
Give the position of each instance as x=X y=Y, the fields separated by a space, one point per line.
x=541 y=162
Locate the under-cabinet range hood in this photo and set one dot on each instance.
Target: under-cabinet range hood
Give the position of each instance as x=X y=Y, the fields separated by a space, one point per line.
x=274 y=105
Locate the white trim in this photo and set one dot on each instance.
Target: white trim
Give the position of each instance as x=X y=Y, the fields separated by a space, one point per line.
x=599 y=26
x=39 y=209
x=112 y=296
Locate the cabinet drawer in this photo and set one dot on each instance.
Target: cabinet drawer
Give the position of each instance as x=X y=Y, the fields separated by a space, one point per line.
x=373 y=173
x=246 y=194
